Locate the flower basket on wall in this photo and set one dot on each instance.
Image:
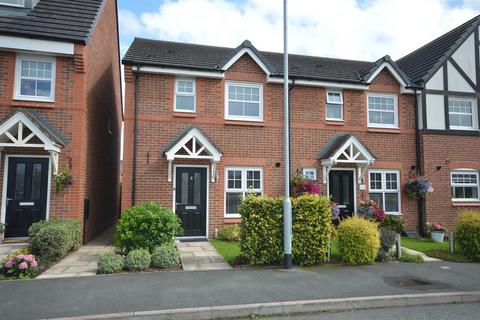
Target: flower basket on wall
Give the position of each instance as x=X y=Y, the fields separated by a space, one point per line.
x=369 y=209
x=300 y=185
x=418 y=187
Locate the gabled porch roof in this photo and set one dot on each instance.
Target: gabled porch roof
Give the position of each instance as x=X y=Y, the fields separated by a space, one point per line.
x=345 y=148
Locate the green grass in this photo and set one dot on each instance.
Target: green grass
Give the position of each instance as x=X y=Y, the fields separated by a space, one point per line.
x=410 y=258
x=335 y=253
x=433 y=249
x=229 y=250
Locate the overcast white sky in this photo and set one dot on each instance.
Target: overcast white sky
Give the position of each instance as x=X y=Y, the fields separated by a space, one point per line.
x=353 y=29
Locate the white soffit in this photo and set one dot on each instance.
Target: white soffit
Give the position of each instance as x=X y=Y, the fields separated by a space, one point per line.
x=36 y=45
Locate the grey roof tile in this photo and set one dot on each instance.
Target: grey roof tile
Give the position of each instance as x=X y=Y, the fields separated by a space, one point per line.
x=337 y=141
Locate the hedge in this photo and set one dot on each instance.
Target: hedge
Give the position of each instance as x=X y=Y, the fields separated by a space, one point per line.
x=261 y=229
x=51 y=240
x=358 y=240
x=468 y=234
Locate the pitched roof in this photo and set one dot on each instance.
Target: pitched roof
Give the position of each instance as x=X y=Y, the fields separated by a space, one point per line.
x=336 y=142
x=182 y=134
x=368 y=72
x=421 y=64
x=211 y=58
x=55 y=20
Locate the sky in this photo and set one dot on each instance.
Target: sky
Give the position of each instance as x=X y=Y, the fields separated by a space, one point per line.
x=350 y=29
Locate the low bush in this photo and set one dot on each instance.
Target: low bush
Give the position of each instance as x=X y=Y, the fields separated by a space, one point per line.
x=229 y=233
x=20 y=264
x=468 y=234
x=410 y=258
x=51 y=240
x=147 y=226
x=394 y=223
x=138 y=260
x=358 y=240
x=165 y=257
x=387 y=240
x=109 y=262
x=261 y=230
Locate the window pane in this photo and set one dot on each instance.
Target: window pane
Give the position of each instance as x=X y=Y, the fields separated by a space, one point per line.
x=185 y=102
x=233 y=200
x=36 y=181
x=184 y=196
x=388 y=118
x=391 y=181
x=309 y=174
x=381 y=110
x=20 y=182
x=253 y=179
x=43 y=88
x=377 y=197
x=334 y=97
x=252 y=109
x=243 y=101
x=197 y=189
x=375 y=181
x=234 y=179
x=27 y=87
x=391 y=202
x=375 y=117
x=235 y=108
x=334 y=111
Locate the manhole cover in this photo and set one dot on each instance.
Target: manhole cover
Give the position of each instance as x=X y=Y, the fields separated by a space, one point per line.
x=415 y=283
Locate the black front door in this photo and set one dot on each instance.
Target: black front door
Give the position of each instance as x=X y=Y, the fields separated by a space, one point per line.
x=191 y=200
x=340 y=187
x=27 y=193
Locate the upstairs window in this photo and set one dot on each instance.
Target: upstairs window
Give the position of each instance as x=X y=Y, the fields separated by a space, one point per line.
x=382 y=111
x=385 y=190
x=238 y=183
x=310 y=173
x=462 y=113
x=13 y=3
x=243 y=101
x=35 y=79
x=334 y=105
x=465 y=185
x=184 y=95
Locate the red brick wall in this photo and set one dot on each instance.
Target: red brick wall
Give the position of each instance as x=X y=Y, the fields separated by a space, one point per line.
x=253 y=144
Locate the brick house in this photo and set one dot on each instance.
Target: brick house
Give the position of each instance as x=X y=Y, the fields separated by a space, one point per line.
x=60 y=110
x=204 y=126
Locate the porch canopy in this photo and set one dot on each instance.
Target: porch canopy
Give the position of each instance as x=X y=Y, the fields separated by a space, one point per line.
x=29 y=129
x=192 y=143
x=345 y=149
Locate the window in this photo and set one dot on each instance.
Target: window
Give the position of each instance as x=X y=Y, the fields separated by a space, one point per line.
x=385 y=190
x=35 y=79
x=461 y=113
x=382 y=111
x=310 y=173
x=238 y=183
x=465 y=185
x=13 y=3
x=334 y=105
x=184 y=95
x=243 y=101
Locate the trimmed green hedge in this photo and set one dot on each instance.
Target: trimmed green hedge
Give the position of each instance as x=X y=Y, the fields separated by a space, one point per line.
x=51 y=240
x=468 y=234
x=261 y=230
x=358 y=240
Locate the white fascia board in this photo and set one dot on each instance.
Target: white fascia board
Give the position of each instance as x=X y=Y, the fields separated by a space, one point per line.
x=180 y=72
x=323 y=84
x=392 y=71
x=37 y=45
x=251 y=54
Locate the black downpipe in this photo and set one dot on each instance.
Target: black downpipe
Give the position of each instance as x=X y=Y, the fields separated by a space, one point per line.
x=419 y=168
x=135 y=137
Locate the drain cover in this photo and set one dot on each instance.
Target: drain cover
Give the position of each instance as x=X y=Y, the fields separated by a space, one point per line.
x=415 y=283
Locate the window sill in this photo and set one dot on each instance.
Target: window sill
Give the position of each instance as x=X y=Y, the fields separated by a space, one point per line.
x=185 y=114
x=384 y=130
x=335 y=122
x=231 y=220
x=465 y=203
x=31 y=103
x=244 y=123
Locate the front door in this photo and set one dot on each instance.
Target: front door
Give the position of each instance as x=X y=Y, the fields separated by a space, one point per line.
x=191 y=200
x=27 y=192
x=340 y=187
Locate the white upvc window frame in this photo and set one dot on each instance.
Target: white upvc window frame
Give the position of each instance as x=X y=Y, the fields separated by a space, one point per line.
x=260 y=102
x=185 y=94
x=384 y=189
x=311 y=170
x=477 y=185
x=473 y=114
x=20 y=4
x=243 y=189
x=18 y=78
x=395 y=124
x=336 y=103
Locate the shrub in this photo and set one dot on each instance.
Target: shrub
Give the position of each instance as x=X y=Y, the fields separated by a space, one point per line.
x=229 y=233
x=51 y=240
x=387 y=240
x=358 y=240
x=138 y=260
x=109 y=262
x=20 y=264
x=394 y=223
x=410 y=258
x=468 y=234
x=261 y=230
x=165 y=257
x=146 y=226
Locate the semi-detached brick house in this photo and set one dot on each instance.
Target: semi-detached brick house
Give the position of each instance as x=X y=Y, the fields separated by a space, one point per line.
x=204 y=125
x=60 y=111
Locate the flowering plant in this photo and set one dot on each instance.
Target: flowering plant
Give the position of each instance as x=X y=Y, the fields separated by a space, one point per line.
x=21 y=265
x=301 y=186
x=418 y=187
x=335 y=210
x=436 y=227
x=369 y=209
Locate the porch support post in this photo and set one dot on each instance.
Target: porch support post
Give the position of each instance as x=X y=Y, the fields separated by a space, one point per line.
x=54 y=157
x=170 y=170
x=214 y=171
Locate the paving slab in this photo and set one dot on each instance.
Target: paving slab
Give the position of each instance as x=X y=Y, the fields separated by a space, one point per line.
x=7 y=248
x=199 y=256
x=421 y=254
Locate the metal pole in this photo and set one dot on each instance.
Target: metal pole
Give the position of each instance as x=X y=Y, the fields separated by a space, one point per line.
x=287 y=204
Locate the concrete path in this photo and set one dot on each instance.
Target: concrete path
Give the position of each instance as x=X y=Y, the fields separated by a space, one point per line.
x=201 y=255
x=421 y=254
x=82 y=262
x=9 y=247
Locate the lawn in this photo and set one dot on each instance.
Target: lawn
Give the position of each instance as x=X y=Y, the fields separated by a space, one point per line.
x=229 y=250
x=433 y=249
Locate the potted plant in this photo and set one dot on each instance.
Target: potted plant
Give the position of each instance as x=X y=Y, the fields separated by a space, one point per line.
x=437 y=231
x=2 y=231
x=418 y=187
x=300 y=185
x=369 y=209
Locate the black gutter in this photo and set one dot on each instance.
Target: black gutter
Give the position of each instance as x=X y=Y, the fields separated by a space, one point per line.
x=135 y=138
